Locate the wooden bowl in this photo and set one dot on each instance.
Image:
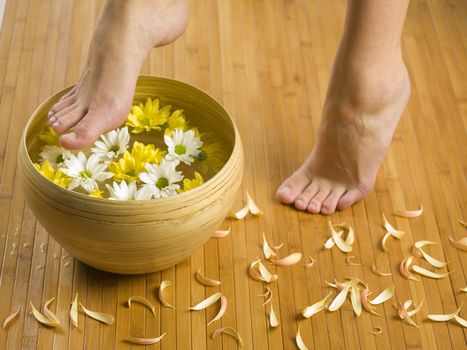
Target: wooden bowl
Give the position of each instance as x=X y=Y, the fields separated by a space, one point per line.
x=133 y=237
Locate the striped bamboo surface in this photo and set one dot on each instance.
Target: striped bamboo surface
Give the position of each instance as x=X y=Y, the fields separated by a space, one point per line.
x=268 y=61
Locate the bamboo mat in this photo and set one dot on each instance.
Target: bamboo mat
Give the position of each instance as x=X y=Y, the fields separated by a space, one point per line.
x=268 y=61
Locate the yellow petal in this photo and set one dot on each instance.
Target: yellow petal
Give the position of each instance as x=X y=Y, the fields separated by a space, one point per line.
x=365 y=302
x=99 y=316
x=460 y=320
x=206 y=281
x=144 y=301
x=379 y=273
x=11 y=318
x=427 y=273
x=289 y=260
x=389 y=228
x=252 y=205
x=74 y=311
x=461 y=244
x=239 y=215
x=385 y=295
x=376 y=330
x=207 y=302
x=405 y=267
x=221 y=233
x=267 y=250
x=340 y=243
x=444 y=318
x=144 y=341
x=339 y=299
x=222 y=309
x=316 y=307
x=265 y=274
x=273 y=321
x=229 y=331
x=410 y=213
x=355 y=300
x=348 y=232
x=311 y=262
x=432 y=261
x=162 y=287
x=298 y=339
x=48 y=313
x=42 y=319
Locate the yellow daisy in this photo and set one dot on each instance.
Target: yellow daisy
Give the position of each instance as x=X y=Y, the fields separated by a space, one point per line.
x=97 y=193
x=49 y=136
x=148 y=117
x=56 y=177
x=175 y=121
x=191 y=184
x=212 y=157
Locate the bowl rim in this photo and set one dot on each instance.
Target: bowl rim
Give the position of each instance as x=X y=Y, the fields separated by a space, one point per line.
x=183 y=195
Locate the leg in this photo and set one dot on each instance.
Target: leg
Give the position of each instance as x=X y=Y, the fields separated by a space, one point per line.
x=367 y=93
x=125 y=33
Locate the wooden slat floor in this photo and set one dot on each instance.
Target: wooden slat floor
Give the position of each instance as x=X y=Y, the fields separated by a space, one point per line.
x=268 y=61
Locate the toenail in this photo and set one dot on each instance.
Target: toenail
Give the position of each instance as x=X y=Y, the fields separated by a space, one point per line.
x=299 y=202
x=284 y=190
x=52 y=119
x=51 y=113
x=70 y=136
x=55 y=124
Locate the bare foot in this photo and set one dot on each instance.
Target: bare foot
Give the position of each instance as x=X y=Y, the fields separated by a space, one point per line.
x=125 y=33
x=362 y=109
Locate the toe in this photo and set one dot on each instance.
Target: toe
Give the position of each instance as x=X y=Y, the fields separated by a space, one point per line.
x=330 y=203
x=89 y=128
x=64 y=102
x=67 y=118
x=317 y=201
x=301 y=202
x=350 y=197
x=293 y=186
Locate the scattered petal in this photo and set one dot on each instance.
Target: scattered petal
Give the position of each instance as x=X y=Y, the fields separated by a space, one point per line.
x=377 y=330
x=311 y=262
x=427 y=273
x=464 y=289
x=393 y=231
x=405 y=267
x=279 y=246
x=444 y=318
x=421 y=244
x=267 y=250
x=403 y=313
x=348 y=232
x=409 y=213
x=379 y=273
x=356 y=300
x=50 y=314
x=99 y=316
x=43 y=319
x=289 y=260
x=415 y=310
x=239 y=215
x=206 y=281
x=384 y=241
x=144 y=341
x=74 y=311
x=162 y=287
x=252 y=205
x=366 y=304
x=273 y=321
x=385 y=295
x=349 y=262
x=461 y=244
x=298 y=339
x=460 y=320
x=432 y=261
x=222 y=309
x=221 y=233
x=316 y=307
x=330 y=242
x=463 y=223
x=337 y=237
x=144 y=301
x=229 y=331
x=339 y=299
x=11 y=318
x=207 y=302
x=267 y=295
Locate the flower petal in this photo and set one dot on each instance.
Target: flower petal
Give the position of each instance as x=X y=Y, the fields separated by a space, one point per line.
x=355 y=300
x=267 y=250
x=385 y=295
x=207 y=302
x=43 y=319
x=377 y=330
x=339 y=299
x=349 y=262
x=99 y=316
x=229 y=331
x=427 y=273
x=273 y=321
x=239 y=215
x=379 y=273
x=409 y=213
x=162 y=287
x=11 y=318
x=74 y=311
x=298 y=339
x=221 y=233
x=206 y=281
x=316 y=307
x=311 y=262
x=252 y=205
x=222 y=309
x=144 y=341
x=461 y=244
x=289 y=260
x=144 y=301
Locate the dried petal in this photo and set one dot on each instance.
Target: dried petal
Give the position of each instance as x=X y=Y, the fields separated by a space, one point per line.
x=74 y=311
x=385 y=295
x=311 y=262
x=43 y=319
x=267 y=295
x=207 y=302
x=298 y=339
x=229 y=331
x=206 y=281
x=389 y=228
x=355 y=300
x=365 y=303
x=316 y=307
x=279 y=246
x=239 y=215
x=461 y=244
x=330 y=242
x=267 y=250
x=444 y=318
x=11 y=318
x=289 y=260
x=463 y=223
x=373 y=268
x=415 y=310
x=409 y=213
x=350 y=236
x=266 y=276
x=384 y=241
x=338 y=240
x=221 y=233
x=405 y=266
x=253 y=272
x=144 y=341
x=377 y=330
x=339 y=299
x=144 y=301
x=432 y=261
x=252 y=205
x=48 y=313
x=460 y=320
x=464 y=289
x=427 y=273
x=403 y=314
x=421 y=244
x=99 y=316
x=162 y=287
x=273 y=321
x=222 y=309
x=349 y=262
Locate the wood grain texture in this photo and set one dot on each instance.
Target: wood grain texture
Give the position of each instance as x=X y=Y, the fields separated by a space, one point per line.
x=268 y=62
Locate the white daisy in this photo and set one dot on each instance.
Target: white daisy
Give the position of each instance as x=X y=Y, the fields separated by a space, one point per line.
x=55 y=155
x=112 y=144
x=183 y=146
x=126 y=192
x=85 y=172
x=162 y=178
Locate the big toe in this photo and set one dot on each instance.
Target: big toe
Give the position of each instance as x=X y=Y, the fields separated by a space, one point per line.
x=293 y=186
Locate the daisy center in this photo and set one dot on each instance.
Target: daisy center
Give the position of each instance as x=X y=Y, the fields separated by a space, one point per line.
x=114 y=148
x=85 y=174
x=59 y=159
x=180 y=149
x=162 y=183
x=202 y=155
